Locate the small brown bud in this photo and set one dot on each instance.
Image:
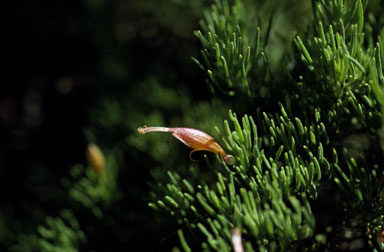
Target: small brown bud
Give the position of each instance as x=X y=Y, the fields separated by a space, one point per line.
x=95 y=158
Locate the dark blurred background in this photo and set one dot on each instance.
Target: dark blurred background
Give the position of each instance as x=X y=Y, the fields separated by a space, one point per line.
x=81 y=71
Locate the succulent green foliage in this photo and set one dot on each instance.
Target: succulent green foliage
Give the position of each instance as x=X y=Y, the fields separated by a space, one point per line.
x=338 y=67
x=377 y=69
x=375 y=228
x=60 y=234
x=284 y=159
x=214 y=212
x=359 y=184
x=377 y=78
x=345 y=11
x=92 y=190
x=284 y=152
x=266 y=192
x=232 y=50
x=345 y=78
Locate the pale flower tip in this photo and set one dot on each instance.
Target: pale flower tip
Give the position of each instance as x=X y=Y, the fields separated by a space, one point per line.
x=229 y=159
x=141 y=130
x=236 y=240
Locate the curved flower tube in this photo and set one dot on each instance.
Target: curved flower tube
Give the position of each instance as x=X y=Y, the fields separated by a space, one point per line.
x=193 y=138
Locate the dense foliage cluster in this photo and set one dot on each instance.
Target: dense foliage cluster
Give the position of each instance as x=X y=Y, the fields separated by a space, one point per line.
x=289 y=159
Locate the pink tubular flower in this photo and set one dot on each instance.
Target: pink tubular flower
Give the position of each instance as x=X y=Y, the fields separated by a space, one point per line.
x=193 y=138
